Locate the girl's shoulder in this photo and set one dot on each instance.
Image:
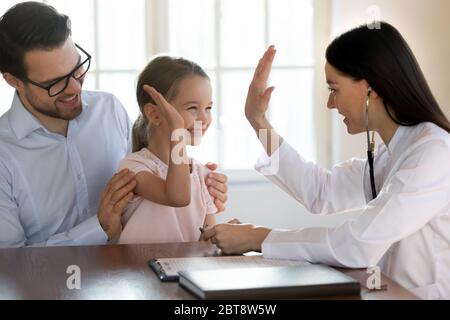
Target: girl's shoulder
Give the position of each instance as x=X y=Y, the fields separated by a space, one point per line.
x=143 y=160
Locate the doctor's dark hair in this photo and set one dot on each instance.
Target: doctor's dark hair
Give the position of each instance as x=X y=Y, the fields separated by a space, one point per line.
x=28 y=26
x=384 y=59
x=164 y=74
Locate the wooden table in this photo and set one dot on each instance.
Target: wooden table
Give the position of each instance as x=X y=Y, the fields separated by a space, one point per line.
x=118 y=272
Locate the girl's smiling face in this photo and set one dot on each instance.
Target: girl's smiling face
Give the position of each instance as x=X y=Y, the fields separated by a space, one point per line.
x=193 y=100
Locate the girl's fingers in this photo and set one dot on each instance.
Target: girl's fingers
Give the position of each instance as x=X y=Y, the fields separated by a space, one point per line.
x=157 y=97
x=161 y=103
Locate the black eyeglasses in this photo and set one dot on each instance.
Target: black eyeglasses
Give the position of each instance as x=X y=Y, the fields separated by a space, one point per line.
x=59 y=85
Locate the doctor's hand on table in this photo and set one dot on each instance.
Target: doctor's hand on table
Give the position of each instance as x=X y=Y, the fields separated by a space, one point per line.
x=236 y=238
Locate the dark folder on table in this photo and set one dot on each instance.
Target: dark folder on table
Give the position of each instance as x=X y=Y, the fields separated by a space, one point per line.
x=290 y=282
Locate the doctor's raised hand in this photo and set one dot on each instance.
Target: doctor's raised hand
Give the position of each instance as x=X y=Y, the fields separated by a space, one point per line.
x=237 y=238
x=258 y=99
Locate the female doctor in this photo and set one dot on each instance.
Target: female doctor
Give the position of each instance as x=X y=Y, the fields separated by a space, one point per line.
x=402 y=192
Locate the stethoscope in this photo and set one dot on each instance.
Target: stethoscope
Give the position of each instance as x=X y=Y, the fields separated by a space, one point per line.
x=370 y=147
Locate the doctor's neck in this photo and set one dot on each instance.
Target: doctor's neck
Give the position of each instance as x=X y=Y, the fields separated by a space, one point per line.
x=382 y=123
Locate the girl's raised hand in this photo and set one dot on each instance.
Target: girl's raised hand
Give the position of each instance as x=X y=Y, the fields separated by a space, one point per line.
x=258 y=94
x=166 y=110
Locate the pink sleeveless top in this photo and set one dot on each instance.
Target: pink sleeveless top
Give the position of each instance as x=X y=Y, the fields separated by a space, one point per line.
x=145 y=221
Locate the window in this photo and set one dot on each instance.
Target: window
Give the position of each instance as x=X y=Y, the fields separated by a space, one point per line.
x=114 y=33
x=227 y=38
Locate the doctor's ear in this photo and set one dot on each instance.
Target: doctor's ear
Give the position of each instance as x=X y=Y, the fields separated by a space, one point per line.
x=371 y=93
x=152 y=114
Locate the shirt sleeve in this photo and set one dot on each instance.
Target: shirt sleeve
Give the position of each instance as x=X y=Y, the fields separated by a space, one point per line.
x=89 y=232
x=318 y=189
x=124 y=123
x=416 y=193
x=11 y=231
x=12 y=234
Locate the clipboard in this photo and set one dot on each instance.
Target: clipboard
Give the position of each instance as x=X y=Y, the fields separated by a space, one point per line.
x=168 y=269
x=162 y=271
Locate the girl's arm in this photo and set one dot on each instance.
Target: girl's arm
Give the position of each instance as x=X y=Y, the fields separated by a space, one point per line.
x=175 y=191
x=210 y=220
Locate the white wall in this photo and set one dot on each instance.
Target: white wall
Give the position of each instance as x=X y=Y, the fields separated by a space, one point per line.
x=424 y=25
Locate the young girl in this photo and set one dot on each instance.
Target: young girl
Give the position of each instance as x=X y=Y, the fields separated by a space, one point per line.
x=171 y=200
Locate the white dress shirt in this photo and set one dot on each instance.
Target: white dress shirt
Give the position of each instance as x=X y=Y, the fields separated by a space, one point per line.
x=405 y=230
x=50 y=185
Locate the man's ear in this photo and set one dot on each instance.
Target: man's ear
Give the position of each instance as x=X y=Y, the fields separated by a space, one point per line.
x=12 y=80
x=152 y=114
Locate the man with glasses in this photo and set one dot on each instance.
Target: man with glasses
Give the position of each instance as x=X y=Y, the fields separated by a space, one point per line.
x=59 y=145
x=58 y=85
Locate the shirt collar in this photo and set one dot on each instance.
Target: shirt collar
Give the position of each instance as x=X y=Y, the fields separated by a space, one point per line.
x=396 y=138
x=23 y=122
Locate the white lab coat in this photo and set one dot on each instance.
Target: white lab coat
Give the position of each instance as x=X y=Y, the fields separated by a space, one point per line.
x=405 y=230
